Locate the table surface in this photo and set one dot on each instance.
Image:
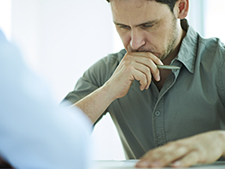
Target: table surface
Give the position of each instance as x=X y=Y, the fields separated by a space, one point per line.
x=129 y=164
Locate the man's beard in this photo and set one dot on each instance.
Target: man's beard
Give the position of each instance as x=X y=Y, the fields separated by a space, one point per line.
x=172 y=41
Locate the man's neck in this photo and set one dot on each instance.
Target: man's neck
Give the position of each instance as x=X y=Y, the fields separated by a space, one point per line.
x=175 y=52
x=163 y=72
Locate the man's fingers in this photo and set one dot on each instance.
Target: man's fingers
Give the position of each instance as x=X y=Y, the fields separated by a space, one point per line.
x=188 y=160
x=145 y=70
x=151 y=65
x=139 y=70
x=148 y=62
x=170 y=154
x=141 y=77
x=140 y=66
x=148 y=55
x=163 y=156
x=186 y=152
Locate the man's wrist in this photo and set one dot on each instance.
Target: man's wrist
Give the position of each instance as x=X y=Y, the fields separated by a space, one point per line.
x=108 y=90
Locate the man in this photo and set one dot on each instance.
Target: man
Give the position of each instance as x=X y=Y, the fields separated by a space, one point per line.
x=175 y=117
x=34 y=131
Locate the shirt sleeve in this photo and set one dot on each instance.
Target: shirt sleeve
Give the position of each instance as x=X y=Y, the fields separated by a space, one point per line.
x=34 y=131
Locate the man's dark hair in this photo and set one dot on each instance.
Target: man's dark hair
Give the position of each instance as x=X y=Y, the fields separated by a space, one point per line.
x=170 y=3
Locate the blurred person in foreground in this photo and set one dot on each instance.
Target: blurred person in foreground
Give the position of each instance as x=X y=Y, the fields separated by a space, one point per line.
x=165 y=117
x=34 y=131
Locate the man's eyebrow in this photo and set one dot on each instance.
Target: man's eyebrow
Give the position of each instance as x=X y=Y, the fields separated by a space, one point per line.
x=116 y=23
x=145 y=23
x=149 y=22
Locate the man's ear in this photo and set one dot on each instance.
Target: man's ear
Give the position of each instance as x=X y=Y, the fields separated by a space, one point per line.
x=181 y=8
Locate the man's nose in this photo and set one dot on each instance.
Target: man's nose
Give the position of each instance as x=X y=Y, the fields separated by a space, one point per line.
x=137 y=39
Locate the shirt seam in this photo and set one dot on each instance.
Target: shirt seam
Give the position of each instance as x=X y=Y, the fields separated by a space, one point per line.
x=222 y=93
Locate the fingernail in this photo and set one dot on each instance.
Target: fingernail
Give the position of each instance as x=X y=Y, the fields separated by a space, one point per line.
x=158 y=78
x=156 y=164
x=142 y=164
x=177 y=164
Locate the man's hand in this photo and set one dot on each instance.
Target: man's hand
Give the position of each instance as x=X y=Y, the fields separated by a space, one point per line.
x=135 y=65
x=200 y=149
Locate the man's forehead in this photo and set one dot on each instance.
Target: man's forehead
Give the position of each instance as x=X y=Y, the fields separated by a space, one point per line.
x=137 y=11
x=137 y=3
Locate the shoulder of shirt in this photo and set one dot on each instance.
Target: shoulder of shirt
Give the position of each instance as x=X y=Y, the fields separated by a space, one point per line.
x=115 y=57
x=104 y=68
x=212 y=44
x=110 y=61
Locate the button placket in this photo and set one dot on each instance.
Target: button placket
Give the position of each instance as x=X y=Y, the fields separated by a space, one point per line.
x=159 y=130
x=159 y=136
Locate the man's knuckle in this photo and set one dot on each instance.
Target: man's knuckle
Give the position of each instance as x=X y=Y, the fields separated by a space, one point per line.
x=128 y=67
x=149 y=61
x=146 y=69
x=143 y=77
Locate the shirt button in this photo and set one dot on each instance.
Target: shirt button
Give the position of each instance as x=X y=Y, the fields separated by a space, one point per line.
x=157 y=113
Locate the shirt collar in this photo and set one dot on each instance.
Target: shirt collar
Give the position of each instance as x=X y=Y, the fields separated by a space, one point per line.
x=188 y=47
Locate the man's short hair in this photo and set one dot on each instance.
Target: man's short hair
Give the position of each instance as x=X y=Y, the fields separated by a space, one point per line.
x=170 y=3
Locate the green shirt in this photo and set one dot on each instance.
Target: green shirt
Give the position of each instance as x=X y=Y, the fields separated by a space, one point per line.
x=191 y=101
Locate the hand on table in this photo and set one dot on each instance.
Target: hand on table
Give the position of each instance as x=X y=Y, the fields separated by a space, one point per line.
x=135 y=65
x=200 y=149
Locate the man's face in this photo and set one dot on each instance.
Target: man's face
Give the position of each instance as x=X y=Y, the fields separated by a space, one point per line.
x=145 y=26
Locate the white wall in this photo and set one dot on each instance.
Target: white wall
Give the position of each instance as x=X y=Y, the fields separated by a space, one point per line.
x=5 y=17
x=60 y=40
x=196 y=15
x=215 y=25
